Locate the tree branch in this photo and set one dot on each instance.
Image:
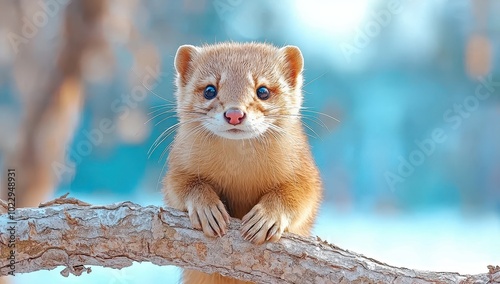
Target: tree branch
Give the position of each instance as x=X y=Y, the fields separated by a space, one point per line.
x=70 y=233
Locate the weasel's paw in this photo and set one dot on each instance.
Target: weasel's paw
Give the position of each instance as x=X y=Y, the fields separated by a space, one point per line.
x=209 y=216
x=263 y=224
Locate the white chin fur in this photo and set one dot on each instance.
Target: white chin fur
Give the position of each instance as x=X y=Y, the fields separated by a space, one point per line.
x=236 y=136
x=245 y=132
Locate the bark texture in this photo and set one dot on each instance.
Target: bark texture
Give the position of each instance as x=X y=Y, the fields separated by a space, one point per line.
x=70 y=233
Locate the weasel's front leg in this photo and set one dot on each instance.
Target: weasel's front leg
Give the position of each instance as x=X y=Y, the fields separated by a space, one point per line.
x=290 y=207
x=205 y=209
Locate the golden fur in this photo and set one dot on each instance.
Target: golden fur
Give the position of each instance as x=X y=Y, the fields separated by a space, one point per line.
x=270 y=180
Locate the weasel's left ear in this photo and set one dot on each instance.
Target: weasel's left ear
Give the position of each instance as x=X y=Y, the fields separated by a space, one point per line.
x=294 y=64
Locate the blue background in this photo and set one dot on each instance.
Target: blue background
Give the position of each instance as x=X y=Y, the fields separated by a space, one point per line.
x=391 y=72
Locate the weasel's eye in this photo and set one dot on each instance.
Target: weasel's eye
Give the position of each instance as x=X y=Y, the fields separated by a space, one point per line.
x=210 y=92
x=263 y=93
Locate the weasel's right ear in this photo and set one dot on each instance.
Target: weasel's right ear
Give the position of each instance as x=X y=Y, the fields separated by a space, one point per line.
x=183 y=62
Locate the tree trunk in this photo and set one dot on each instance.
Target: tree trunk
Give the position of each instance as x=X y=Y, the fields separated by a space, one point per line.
x=52 y=110
x=68 y=232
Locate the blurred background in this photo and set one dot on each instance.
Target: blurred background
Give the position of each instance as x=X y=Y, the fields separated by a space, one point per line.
x=411 y=171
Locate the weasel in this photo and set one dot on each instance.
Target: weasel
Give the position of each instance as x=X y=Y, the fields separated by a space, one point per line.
x=240 y=149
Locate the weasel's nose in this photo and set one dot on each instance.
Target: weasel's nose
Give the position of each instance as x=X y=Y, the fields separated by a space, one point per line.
x=234 y=116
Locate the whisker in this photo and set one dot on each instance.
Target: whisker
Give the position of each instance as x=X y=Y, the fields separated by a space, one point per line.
x=312 y=130
x=171 y=142
x=196 y=107
x=271 y=109
x=163 y=105
x=320 y=113
x=165 y=150
x=161 y=175
x=317 y=121
x=159 y=140
x=315 y=79
x=314 y=119
x=160 y=97
x=197 y=128
x=281 y=132
x=195 y=134
x=311 y=118
x=160 y=114
x=164 y=108
x=170 y=116
x=164 y=135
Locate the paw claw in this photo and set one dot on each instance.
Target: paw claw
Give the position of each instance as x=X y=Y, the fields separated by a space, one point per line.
x=271 y=232
x=261 y=225
x=212 y=219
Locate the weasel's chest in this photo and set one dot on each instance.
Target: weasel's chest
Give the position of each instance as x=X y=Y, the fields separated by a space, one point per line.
x=235 y=165
x=240 y=178
x=241 y=172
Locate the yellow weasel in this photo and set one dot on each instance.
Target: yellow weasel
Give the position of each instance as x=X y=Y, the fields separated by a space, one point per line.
x=240 y=149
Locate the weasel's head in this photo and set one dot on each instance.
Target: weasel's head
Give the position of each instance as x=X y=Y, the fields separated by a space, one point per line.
x=239 y=91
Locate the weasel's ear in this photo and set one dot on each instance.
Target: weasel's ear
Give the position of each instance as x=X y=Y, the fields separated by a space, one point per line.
x=294 y=63
x=183 y=60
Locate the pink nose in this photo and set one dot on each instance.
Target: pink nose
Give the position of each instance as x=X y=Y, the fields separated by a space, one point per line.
x=234 y=116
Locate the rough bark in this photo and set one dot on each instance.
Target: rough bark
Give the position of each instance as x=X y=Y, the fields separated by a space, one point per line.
x=71 y=233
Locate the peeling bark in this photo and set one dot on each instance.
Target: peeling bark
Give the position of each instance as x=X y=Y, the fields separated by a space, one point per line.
x=71 y=233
